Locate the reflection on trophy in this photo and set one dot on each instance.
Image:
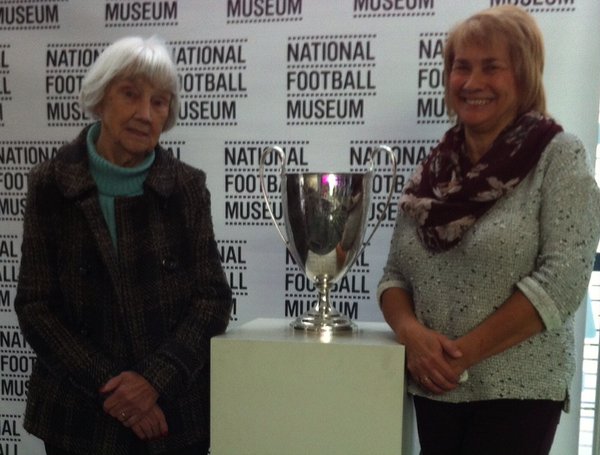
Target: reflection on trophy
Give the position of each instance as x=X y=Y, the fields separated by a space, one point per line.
x=325 y=218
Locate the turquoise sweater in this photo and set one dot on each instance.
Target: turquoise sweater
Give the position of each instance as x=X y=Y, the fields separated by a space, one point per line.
x=114 y=181
x=540 y=239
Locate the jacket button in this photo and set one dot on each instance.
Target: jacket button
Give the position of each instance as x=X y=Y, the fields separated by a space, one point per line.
x=169 y=264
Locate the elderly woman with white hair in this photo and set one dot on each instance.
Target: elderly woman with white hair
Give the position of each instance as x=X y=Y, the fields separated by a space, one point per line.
x=121 y=285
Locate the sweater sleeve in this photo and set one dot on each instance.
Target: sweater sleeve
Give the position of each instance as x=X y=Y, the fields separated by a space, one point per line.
x=392 y=275
x=569 y=230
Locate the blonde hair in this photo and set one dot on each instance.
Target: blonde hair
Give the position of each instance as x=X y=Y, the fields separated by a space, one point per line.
x=131 y=57
x=515 y=27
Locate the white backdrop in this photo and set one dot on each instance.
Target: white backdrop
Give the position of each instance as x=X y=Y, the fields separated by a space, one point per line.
x=324 y=79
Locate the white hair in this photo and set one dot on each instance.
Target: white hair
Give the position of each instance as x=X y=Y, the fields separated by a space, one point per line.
x=130 y=57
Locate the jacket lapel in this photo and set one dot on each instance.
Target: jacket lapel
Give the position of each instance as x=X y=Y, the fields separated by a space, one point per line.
x=76 y=182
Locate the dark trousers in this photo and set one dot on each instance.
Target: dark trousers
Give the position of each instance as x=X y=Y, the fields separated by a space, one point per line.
x=496 y=427
x=197 y=449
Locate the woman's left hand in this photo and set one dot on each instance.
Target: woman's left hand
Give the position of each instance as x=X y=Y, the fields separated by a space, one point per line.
x=152 y=425
x=130 y=397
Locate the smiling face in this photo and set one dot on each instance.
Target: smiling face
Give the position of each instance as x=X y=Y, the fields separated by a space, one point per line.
x=133 y=114
x=482 y=89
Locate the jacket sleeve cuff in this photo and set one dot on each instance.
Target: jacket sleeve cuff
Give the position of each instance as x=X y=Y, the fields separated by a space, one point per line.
x=166 y=373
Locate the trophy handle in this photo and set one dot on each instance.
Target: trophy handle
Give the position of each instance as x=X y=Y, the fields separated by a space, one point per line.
x=377 y=150
x=266 y=152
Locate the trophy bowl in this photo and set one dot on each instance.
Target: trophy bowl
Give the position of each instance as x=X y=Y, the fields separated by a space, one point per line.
x=325 y=218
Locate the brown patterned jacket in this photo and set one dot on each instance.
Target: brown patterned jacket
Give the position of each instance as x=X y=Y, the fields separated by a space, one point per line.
x=90 y=313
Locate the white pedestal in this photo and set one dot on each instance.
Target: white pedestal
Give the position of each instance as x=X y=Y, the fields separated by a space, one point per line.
x=275 y=390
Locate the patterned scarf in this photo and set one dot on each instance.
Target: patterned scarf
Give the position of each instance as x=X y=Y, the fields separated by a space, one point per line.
x=447 y=193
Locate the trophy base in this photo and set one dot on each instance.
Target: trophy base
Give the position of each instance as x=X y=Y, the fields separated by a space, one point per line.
x=315 y=322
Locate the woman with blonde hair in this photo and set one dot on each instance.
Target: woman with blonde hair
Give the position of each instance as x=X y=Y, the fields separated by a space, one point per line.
x=492 y=251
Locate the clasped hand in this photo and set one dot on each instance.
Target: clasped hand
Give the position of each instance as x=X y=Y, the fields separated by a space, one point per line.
x=433 y=360
x=131 y=399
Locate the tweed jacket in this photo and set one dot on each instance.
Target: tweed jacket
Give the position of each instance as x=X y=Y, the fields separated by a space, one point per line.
x=90 y=312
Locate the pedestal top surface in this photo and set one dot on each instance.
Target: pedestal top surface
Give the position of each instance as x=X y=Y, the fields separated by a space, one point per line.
x=265 y=329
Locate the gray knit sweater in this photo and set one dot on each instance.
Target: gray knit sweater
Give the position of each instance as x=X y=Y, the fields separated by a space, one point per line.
x=541 y=239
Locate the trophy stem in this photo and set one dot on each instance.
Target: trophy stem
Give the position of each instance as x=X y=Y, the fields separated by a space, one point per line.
x=323 y=317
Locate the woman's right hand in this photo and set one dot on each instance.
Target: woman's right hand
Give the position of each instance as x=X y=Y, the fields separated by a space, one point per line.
x=427 y=354
x=131 y=399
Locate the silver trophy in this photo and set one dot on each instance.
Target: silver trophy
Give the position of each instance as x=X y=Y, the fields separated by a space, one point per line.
x=325 y=219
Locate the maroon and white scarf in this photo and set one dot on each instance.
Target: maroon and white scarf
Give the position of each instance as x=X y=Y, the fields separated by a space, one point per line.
x=447 y=193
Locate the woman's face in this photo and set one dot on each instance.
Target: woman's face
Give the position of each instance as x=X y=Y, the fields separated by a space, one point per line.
x=133 y=114
x=483 y=89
